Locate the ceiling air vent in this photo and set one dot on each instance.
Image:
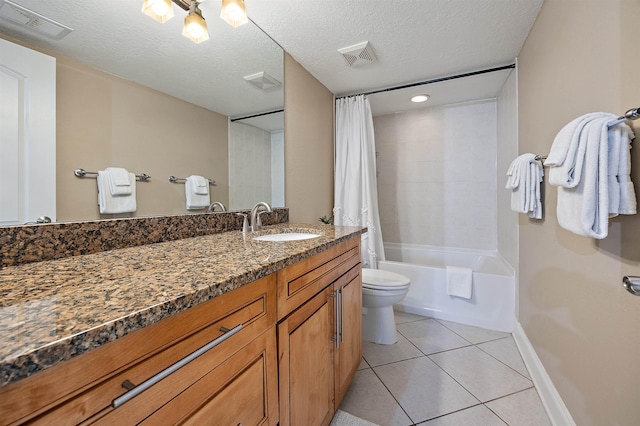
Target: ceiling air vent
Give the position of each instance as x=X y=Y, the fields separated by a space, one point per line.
x=358 y=54
x=262 y=80
x=21 y=17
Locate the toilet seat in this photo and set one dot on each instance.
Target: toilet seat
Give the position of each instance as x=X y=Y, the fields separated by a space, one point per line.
x=377 y=279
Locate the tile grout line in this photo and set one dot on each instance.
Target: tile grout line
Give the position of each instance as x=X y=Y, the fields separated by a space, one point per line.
x=519 y=354
x=393 y=396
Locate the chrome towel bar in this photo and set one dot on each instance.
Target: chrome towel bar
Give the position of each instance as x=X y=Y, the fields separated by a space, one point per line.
x=83 y=173
x=174 y=179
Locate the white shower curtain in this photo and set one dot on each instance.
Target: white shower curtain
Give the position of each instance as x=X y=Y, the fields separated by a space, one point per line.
x=356 y=197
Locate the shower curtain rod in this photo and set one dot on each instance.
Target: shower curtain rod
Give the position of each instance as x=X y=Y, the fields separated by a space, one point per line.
x=257 y=115
x=436 y=80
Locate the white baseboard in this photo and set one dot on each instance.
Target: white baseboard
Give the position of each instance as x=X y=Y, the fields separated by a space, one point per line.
x=553 y=403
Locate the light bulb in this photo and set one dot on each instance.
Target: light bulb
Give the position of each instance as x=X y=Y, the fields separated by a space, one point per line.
x=160 y=10
x=234 y=12
x=160 y=7
x=420 y=98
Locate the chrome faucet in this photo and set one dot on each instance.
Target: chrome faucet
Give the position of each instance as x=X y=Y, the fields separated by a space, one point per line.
x=256 y=223
x=215 y=204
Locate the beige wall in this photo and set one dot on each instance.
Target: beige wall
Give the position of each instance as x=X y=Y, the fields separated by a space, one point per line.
x=105 y=121
x=581 y=56
x=308 y=147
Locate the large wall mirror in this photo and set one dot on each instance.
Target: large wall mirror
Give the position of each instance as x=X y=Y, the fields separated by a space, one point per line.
x=135 y=93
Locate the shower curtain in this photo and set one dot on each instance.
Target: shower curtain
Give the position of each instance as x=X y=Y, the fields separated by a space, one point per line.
x=356 y=197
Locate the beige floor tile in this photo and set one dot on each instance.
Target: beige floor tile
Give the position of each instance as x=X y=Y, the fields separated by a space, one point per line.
x=402 y=317
x=383 y=354
x=505 y=350
x=521 y=409
x=474 y=416
x=473 y=334
x=368 y=399
x=481 y=374
x=423 y=390
x=363 y=365
x=430 y=336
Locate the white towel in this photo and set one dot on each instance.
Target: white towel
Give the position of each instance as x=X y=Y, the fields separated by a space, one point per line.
x=459 y=281
x=118 y=181
x=625 y=195
x=197 y=192
x=525 y=174
x=593 y=179
x=110 y=204
x=567 y=154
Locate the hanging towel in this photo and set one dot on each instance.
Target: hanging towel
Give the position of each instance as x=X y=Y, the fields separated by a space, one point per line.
x=197 y=192
x=112 y=204
x=593 y=180
x=622 y=195
x=118 y=179
x=567 y=154
x=524 y=176
x=459 y=281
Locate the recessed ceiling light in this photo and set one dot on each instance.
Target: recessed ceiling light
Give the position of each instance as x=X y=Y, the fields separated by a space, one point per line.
x=420 y=98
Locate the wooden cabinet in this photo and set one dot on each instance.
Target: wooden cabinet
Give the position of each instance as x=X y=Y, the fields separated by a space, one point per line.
x=239 y=329
x=281 y=349
x=320 y=340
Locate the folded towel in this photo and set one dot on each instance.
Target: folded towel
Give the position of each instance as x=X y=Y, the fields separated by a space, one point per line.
x=118 y=181
x=110 y=204
x=525 y=174
x=197 y=192
x=459 y=281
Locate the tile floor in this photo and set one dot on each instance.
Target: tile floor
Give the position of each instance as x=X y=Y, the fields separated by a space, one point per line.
x=442 y=373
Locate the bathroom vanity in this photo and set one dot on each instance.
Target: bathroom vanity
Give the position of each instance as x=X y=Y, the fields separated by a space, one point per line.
x=238 y=332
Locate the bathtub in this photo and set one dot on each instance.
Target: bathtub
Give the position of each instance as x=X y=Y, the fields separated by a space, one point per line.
x=492 y=304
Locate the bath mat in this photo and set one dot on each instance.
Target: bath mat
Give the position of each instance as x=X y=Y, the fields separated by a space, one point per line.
x=342 y=418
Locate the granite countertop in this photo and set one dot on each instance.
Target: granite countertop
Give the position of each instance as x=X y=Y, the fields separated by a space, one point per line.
x=54 y=310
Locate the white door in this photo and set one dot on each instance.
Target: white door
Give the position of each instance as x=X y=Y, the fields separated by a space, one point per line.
x=27 y=135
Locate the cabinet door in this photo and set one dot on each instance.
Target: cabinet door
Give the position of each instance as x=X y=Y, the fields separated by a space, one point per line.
x=348 y=290
x=242 y=390
x=305 y=351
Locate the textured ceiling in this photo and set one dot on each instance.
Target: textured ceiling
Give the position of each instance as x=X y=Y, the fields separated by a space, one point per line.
x=414 y=40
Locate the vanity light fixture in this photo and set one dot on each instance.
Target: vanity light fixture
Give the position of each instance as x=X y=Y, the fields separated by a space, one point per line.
x=420 y=98
x=195 y=27
x=234 y=12
x=160 y=10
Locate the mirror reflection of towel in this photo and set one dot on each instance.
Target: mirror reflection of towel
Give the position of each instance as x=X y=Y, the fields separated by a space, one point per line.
x=110 y=204
x=118 y=181
x=197 y=192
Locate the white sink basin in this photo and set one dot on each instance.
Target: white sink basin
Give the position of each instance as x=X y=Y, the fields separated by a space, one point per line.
x=287 y=236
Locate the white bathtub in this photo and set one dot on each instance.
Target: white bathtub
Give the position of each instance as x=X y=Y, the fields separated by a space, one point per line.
x=492 y=305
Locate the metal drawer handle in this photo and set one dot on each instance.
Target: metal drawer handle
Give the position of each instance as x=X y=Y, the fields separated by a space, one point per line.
x=341 y=313
x=172 y=368
x=335 y=313
x=632 y=284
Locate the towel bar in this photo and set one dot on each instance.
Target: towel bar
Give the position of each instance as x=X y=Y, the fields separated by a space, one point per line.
x=83 y=173
x=630 y=115
x=174 y=179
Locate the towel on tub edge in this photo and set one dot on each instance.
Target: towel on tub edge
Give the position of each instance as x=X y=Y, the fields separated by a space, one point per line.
x=459 y=282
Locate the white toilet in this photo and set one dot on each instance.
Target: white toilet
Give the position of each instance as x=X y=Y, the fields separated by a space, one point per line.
x=380 y=290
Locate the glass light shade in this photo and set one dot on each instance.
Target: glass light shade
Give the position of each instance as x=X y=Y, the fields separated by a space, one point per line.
x=195 y=28
x=234 y=12
x=420 y=98
x=160 y=10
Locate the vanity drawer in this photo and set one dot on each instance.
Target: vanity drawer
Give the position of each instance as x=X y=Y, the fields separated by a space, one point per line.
x=301 y=281
x=149 y=351
x=242 y=390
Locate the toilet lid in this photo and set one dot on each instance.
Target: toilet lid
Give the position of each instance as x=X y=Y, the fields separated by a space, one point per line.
x=383 y=280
